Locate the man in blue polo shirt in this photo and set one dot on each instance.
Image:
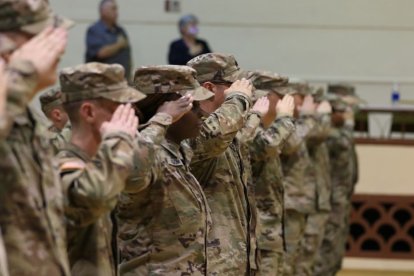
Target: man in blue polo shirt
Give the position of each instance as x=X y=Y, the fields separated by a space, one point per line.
x=106 y=41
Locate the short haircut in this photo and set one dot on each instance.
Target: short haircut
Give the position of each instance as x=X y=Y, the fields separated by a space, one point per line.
x=184 y=20
x=72 y=109
x=103 y=2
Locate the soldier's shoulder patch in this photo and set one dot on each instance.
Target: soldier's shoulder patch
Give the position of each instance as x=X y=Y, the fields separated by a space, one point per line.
x=71 y=165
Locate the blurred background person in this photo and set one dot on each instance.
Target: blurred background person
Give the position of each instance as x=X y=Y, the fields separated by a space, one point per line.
x=106 y=41
x=188 y=46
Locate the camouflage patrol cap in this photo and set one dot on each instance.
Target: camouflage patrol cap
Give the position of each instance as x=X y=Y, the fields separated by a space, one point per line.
x=338 y=104
x=341 y=89
x=265 y=82
x=31 y=16
x=297 y=86
x=97 y=80
x=170 y=79
x=6 y=44
x=347 y=92
x=50 y=99
x=318 y=93
x=215 y=67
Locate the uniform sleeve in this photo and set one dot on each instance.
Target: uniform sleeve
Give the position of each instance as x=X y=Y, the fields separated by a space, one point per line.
x=92 y=188
x=94 y=43
x=220 y=128
x=321 y=130
x=249 y=131
x=268 y=140
x=21 y=84
x=157 y=128
x=146 y=168
x=304 y=126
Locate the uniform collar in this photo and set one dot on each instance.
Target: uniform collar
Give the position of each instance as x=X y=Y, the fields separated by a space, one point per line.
x=77 y=151
x=181 y=152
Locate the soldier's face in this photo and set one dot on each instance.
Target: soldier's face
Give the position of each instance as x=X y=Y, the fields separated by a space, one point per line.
x=298 y=103
x=59 y=117
x=103 y=110
x=211 y=105
x=337 y=119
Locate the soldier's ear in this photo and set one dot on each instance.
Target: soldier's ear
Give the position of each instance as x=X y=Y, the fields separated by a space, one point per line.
x=56 y=114
x=209 y=85
x=87 y=112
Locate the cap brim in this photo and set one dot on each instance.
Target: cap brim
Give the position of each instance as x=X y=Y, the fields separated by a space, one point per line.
x=200 y=94
x=6 y=44
x=353 y=100
x=127 y=95
x=257 y=94
x=52 y=21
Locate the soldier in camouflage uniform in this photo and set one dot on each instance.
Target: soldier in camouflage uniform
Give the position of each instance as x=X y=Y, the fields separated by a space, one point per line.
x=220 y=168
x=51 y=105
x=276 y=126
x=6 y=45
x=31 y=213
x=94 y=173
x=319 y=172
x=298 y=180
x=343 y=175
x=164 y=218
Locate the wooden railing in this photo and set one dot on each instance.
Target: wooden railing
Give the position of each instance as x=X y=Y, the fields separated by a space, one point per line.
x=382 y=227
x=401 y=129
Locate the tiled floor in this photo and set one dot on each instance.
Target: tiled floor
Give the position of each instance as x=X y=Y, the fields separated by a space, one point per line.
x=374 y=273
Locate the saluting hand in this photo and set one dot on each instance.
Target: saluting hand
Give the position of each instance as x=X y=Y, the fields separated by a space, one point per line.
x=44 y=52
x=177 y=108
x=123 y=120
x=308 y=105
x=324 y=108
x=242 y=86
x=261 y=106
x=286 y=106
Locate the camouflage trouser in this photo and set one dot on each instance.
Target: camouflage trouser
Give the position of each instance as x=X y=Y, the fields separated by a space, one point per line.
x=295 y=224
x=332 y=250
x=271 y=263
x=311 y=242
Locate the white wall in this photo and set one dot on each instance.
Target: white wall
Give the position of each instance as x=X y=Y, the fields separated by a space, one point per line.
x=367 y=42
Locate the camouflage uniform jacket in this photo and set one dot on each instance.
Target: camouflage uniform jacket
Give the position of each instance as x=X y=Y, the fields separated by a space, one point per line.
x=91 y=189
x=31 y=196
x=218 y=166
x=319 y=155
x=299 y=183
x=253 y=120
x=164 y=219
x=340 y=147
x=267 y=176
